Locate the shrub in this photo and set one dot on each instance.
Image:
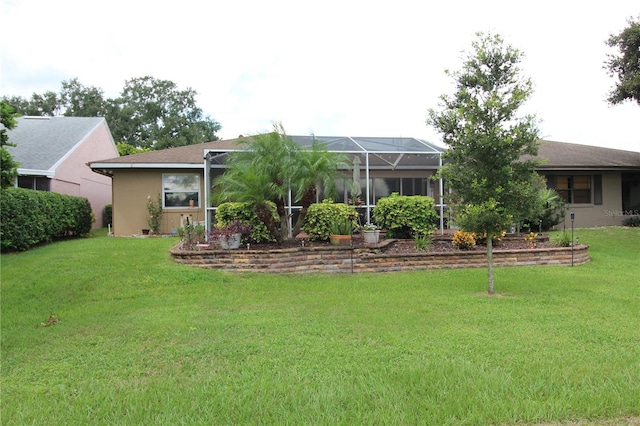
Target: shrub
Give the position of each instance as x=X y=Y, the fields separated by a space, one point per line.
x=422 y=241
x=563 y=239
x=321 y=217
x=342 y=226
x=107 y=215
x=245 y=213
x=482 y=239
x=530 y=238
x=632 y=221
x=464 y=240
x=33 y=217
x=406 y=216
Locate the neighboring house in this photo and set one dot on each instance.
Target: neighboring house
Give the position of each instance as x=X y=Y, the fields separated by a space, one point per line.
x=601 y=185
x=183 y=178
x=53 y=155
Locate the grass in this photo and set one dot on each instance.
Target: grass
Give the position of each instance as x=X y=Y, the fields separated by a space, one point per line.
x=141 y=340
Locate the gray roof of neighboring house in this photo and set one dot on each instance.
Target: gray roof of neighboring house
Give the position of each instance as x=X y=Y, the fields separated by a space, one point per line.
x=43 y=142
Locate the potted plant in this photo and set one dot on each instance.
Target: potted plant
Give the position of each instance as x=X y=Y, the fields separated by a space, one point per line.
x=230 y=235
x=341 y=230
x=370 y=233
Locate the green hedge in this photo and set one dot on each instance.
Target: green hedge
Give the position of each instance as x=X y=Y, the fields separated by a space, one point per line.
x=406 y=216
x=245 y=213
x=321 y=218
x=28 y=217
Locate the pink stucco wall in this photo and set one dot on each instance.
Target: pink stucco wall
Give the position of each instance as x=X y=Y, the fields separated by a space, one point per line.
x=74 y=177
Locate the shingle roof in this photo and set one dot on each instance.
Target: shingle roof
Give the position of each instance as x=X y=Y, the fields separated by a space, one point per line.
x=42 y=142
x=560 y=155
x=190 y=154
x=570 y=156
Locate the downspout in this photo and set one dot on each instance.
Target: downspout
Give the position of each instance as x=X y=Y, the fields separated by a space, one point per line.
x=368 y=202
x=207 y=191
x=441 y=196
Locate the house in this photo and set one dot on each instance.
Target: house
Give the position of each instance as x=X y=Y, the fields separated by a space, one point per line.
x=53 y=153
x=183 y=177
x=600 y=185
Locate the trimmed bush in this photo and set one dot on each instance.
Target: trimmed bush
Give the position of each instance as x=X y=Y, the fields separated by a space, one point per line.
x=34 y=217
x=632 y=221
x=321 y=217
x=107 y=215
x=406 y=216
x=245 y=213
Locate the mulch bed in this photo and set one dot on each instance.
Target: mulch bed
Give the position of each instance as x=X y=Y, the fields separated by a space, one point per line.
x=408 y=246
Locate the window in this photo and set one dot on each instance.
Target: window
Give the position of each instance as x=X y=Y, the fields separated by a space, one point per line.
x=39 y=183
x=631 y=193
x=572 y=189
x=180 y=190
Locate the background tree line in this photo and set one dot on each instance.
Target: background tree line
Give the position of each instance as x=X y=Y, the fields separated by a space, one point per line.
x=149 y=114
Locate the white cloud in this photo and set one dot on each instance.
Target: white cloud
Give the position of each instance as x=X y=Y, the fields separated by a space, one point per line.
x=347 y=68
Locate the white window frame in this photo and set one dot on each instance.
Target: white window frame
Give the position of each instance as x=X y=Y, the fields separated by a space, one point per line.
x=166 y=190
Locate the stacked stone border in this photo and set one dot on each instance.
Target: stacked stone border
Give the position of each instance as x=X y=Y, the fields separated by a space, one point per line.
x=380 y=258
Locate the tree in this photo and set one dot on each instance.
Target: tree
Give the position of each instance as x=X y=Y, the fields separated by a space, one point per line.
x=626 y=64
x=314 y=168
x=126 y=149
x=263 y=170
x=8 y=167
x=81 y=101
x=270 y=166
x=152 y=113
x=47 y=104
x=148 y=114
x=490 y=183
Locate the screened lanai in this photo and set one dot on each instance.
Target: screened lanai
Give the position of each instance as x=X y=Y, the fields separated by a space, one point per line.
x=379 y=167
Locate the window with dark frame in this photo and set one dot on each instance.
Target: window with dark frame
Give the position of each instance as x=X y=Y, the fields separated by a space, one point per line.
x=573 y=189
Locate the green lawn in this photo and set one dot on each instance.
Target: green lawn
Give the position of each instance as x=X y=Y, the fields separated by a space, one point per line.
x=141 y=340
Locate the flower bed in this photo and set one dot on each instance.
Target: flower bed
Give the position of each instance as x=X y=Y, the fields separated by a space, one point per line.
x=388 y=256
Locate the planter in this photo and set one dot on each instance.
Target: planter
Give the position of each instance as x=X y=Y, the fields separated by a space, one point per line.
x=232 y=241
x=371 y=237
x=340 y=240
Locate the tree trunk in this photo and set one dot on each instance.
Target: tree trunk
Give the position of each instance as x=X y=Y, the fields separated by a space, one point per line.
x=306 y=201
x=284 y=219
x=264 y=214
x=490 y=262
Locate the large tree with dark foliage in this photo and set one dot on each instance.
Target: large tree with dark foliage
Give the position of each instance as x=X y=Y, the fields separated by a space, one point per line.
x=492 y=186
x=148 y=114
x=155 y=114
x=625 y=64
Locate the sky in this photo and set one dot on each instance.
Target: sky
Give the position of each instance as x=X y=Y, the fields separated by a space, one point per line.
x=329 y=68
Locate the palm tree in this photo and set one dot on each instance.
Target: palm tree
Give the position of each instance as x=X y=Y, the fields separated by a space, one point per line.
x=244 y=183
x=313 y=168
x=271 y=165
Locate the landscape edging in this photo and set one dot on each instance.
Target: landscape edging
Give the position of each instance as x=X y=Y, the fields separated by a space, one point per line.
x=343 y=259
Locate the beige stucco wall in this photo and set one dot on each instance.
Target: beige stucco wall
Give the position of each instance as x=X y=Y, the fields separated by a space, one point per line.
x=130 y=191
x=607 y=214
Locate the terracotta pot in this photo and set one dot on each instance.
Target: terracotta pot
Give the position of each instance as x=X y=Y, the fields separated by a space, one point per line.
x=340 y=240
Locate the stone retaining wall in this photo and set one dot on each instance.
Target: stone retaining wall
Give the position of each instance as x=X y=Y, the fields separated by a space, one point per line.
x=343 y=259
